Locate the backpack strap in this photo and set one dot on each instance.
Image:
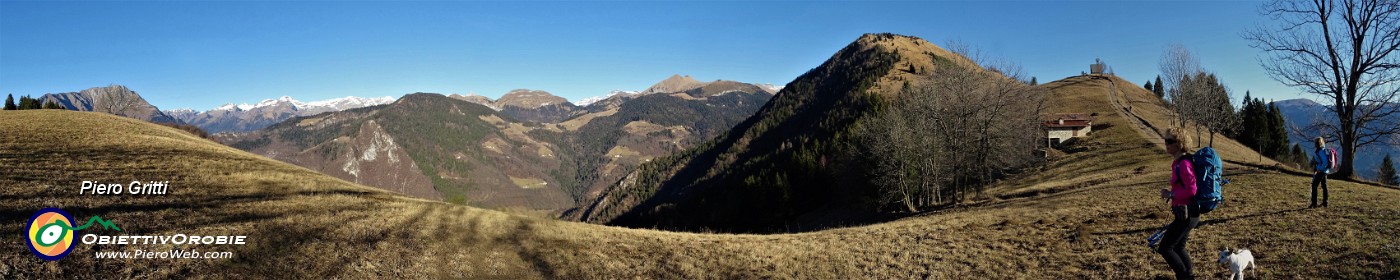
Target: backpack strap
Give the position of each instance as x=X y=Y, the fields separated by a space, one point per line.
x=1177 y=172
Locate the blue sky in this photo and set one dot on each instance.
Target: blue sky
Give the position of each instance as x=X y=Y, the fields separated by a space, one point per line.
x=203 y=54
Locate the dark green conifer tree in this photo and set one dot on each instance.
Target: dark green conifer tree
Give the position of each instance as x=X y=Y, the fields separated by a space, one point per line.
x=1387 y=172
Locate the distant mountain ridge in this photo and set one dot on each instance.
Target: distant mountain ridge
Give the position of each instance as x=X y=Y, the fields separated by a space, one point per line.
x=529 y=149
x=527 y=105
x=543 y=107
x=106 y=99
x=683 y=84
x=1299 y=113
x=675 y=83
x=249 y=117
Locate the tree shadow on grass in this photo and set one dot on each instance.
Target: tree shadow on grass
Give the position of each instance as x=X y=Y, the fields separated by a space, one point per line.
x=308 y=244
x=535 y=258
x=1205 y=221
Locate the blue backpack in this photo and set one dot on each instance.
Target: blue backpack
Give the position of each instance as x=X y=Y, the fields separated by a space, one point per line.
x=1209 y=177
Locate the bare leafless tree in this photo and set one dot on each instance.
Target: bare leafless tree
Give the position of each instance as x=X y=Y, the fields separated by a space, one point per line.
x=950 y=131
x=1177 y=65
x=1343 y=51
x=1197 y=98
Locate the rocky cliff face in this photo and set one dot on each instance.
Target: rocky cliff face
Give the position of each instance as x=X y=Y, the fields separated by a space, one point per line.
x=114 y=99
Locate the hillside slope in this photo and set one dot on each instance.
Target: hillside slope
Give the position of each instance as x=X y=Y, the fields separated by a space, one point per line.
x=1128 y=120
x=614 y=142
x=779 y=168
x=301 y=224
x=425 y=145
x=454 y=148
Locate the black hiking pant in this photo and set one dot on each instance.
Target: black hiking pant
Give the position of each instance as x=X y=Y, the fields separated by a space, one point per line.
x=1173 y=246
x=1319 y=178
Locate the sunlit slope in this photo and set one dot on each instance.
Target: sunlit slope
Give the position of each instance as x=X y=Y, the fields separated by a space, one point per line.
x=300 y=224
x=305 y=225
x=1124 y=142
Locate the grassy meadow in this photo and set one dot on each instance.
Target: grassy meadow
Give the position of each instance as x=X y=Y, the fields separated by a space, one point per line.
x=1086 y=215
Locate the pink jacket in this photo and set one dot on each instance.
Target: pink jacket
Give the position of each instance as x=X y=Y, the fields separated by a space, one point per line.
x=1183 y=182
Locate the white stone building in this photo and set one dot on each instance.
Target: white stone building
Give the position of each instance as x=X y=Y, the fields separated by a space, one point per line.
x=1061 y=127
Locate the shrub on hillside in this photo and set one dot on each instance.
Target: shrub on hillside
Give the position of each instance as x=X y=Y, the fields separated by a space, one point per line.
x=196 y=131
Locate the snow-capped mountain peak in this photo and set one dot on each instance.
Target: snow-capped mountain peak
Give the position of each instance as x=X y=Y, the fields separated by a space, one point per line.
x=249 y=117
x=283 y=99
x=350 y=102
x=336 y=104
x=594 y=99
x=230 y=107
x=770 y=87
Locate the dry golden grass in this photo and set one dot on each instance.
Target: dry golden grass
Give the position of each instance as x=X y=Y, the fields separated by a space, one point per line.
x=915 y=52
x=641 y=127
x=621 y=151
x=577 y=122
x=306 y=225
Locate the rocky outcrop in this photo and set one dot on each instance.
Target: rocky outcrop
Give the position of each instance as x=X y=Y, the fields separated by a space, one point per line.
x=115 y=99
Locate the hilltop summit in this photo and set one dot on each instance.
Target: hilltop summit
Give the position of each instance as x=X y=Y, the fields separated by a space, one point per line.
x=116 y=99
x=675 y=83
x=530 y=99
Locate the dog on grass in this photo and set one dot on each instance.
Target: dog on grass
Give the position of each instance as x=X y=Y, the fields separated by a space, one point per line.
x=1238 y=260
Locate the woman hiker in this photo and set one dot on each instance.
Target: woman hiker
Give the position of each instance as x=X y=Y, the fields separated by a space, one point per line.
x=1183 y=187
x=1320 y=164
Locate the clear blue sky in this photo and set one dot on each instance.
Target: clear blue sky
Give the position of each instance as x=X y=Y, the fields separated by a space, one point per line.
x=203 y=54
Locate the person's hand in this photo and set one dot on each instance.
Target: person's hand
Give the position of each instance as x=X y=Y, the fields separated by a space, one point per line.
x=1166 y=193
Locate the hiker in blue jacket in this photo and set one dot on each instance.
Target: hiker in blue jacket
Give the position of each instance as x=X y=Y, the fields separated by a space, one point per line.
x=1321 y=162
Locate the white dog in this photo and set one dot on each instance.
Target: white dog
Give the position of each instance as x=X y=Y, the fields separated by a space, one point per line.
x=1238 y=261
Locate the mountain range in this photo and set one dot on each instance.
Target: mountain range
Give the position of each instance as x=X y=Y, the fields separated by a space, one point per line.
x=250 y=117
x=528 y=149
